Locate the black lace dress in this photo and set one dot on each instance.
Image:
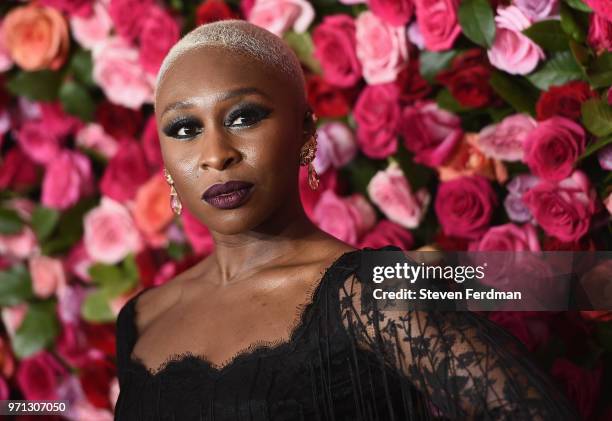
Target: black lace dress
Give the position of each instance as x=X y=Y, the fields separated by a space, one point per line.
x=347 y=361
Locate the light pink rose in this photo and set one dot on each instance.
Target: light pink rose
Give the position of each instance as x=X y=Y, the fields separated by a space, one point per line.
x=67 y=178
x=336 y=146
x=19 y=246
x=377 y=114
x=394 y=12
x=160 y=31
x=431 y=133
x=391 y=192
x=604 y=156
x=563 y=209
x=438 y=23
x=13 y=316
x=382 y=49
x=508 y=237
x=334 y=47
x=512 y=51
x=505 y=139
x=552 y=148
x=47 y=275
x=39 y=375
x=91 y=30
x=6 y=62
x=278 y=16
x=601 y=7
x=110 y=232
x=537 y=10
x=93 y=136
x=513 y=203
x=415 y=36
x=117 y=70
x=346 y=218
x=600 y=33
x=39 y=143
x=69 y=300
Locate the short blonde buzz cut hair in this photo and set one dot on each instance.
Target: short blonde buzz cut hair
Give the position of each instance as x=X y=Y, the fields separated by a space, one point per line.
x=242 y=37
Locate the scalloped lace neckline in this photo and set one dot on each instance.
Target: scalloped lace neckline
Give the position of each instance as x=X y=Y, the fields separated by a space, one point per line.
x=300 y=322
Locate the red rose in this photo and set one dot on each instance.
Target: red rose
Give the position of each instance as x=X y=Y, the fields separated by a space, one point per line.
x=411 y=84
x=552 y=148
x=582 y=386
x=118 y=121
x=554 y=244
x=18 y=172
x=95 y=379
x=212 y=11
x=125 y=172
x=465 y=206
x=327 y=100
x=386 y=232
x=530 y=327
x=150 y=144
x=564 y=100
x=101 y=336
x=468 y=79
x=597 y=315
x=450 y=243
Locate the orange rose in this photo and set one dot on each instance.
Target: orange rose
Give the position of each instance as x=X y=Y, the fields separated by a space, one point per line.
x=152 y=211
x=36 y=37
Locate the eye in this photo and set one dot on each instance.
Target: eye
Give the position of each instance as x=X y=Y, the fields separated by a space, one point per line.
x=247 y=115
x=183 y=128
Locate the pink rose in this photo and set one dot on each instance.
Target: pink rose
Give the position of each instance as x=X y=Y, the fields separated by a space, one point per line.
x=125 y=172
x=601 y=7
x=564 y=208
x=334 y=47
x=19 y=246
x=393 y=12
x=551 y=149
x=385 y=233
x=39 y=143
x=346 y=218
x=382 y=49
x=538 y=9
x=431 y=133
x=197 y=233
x=160 y=32
x=465 y=206
x=71 y=7
x=47 y=275
x=67 y=178
x=94 y=137
x=128 y=16
x=91 y=30
x=505 y=140
x=278 y=16
x=438 y=23
x=18 y=172
x=6 y=62
x=391 y=192
x=600 y=33
x=117 y=70
x=57 y=121
x=336 y=146
x=110 y=232
x=508 y=237
x=78 y=261
x=512 y=51
x=39 y=375
x=310 y=197
x=377 y=113
x=69 y=300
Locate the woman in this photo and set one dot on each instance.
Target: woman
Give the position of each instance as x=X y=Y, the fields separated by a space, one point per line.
x=271 y=325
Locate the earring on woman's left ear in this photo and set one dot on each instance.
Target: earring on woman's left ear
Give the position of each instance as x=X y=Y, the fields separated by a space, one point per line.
x=175 y=203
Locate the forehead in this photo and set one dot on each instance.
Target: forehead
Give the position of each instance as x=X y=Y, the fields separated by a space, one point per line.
x=208 y=71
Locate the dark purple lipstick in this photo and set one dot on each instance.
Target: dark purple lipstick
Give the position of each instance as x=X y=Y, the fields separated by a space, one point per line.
x=229 y=195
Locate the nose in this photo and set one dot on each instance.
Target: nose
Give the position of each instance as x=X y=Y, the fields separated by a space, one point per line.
x=217 y=152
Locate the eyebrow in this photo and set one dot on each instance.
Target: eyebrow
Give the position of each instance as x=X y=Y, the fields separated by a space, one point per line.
x=188 y=103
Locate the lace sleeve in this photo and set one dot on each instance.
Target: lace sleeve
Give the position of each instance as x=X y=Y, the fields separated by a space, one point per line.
x=464 y=365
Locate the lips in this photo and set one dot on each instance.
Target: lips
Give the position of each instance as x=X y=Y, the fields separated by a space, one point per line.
x=230 y=195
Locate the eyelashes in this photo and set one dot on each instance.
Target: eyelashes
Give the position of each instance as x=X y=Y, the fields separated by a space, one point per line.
x=189 y=127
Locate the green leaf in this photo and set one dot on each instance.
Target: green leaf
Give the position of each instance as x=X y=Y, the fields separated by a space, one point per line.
x=570 y=24
x=432 y=63
x=118 y=287
x=476 y=20
x=10 y=222
x=561 y=68
x=43 y=221
x=578 y=5
x=515 y=91
x=595 y=146
x=39 y=329
x=96 y=309
x=81 y=66
x=130 y=268
x=303 y=47
x=40 y=86
x=77 y=101
x=597 y=117
x=600 y=71
x=15 y=285
x=548 y=34
x=101 y=273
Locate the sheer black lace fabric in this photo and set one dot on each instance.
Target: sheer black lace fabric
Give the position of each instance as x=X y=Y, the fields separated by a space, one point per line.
x=347 y=359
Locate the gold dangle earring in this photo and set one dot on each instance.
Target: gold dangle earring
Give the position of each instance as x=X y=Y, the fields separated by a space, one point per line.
x=307 y=155
x=175 y=203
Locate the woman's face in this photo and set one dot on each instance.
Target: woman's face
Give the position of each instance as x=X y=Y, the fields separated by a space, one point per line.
x=223 y=116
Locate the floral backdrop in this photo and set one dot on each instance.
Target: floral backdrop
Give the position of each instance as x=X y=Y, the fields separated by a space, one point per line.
x=446 y=124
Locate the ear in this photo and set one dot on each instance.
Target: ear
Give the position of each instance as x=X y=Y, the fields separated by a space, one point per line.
x=309 y=125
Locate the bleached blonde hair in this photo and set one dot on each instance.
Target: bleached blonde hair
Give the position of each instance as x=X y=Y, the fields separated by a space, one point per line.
x=243 y=37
